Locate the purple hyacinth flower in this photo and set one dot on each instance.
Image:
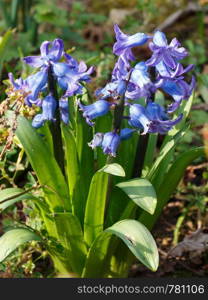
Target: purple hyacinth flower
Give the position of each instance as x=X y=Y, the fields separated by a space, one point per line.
x=138 y=118
x=126 y=133
x=31 y=86
x=38 y=121
x=48 y=110
x=112 y=89
x=64 y=110
x=121 y=69
x=124 y=42
x=92 y=111
x=18 y=84
x=140 y=75
x=35 y=84
x=179 y=89
x=110 y=143
x=50 y=52
x=70 y=73
x=160 y=122
x=168 y=54
x=97 y=140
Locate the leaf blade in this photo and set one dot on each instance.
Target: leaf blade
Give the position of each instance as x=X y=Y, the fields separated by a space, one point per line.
x=13 y=239
x=142 y=192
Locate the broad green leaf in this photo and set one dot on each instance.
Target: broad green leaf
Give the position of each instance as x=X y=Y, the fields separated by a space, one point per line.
x=4 y=41
x=184 y=108
x=95 y=206
x=74 y=174
x=170 y=182
x=137 y=238
x=12 y=195
x=142 y=192
x=139 y=241
x=113 y=169
x=71 y=238
x=84 y=135
x=164 y=153
x=150 y=153
x=44 y=164
x=13 y=239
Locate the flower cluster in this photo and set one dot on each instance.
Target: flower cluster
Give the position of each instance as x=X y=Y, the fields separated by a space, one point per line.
x=69 y=75
x=133 y=83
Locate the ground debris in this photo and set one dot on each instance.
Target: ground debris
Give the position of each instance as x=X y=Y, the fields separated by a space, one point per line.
x=195 y=244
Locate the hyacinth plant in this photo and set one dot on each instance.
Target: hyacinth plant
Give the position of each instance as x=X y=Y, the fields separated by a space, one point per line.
x=102 y=183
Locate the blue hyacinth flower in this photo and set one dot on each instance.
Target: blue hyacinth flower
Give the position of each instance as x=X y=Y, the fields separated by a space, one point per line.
x=49 y=106
x=110 y=143
x=126 y=133
x=168 y=54
x=160 y=122
x=31 y=86
x=50 y=52
x=138 y=118
x=92 y=111
x=64 y=110
x=125 y=42
x=97 y=140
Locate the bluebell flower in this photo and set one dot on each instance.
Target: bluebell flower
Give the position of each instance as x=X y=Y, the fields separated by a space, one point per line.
x=160 y=122
x=70 y=73
x=110 y=143
x=179 y=89
x=121 y=69
x=92 y=111
x=36 y=83
x=140 y=84
x=138 y=117
x=112 y=90
x=48 y=111
x=152 y=118
x=31 y=86
x=126 y=133
x=64 y=110
x=97 y=140
x=38 y=121
x=140 y=75
x=50 y=52
x=168 y=54
x=124 y=42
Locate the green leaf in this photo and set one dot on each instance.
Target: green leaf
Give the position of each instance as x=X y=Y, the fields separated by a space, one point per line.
x=12 y=195
x=113 y=169
x=74 y=174
x=44 y=164
x=164 y=152
x=4 y=41
x=95 y=206
x=170 y=182
x=142 y=192
x=137 y=238
x=13 y=239
x=84 y=135
x=150 y=153
x=71 y=238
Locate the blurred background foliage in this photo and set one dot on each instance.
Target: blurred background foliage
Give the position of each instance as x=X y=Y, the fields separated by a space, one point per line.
x=86 y=26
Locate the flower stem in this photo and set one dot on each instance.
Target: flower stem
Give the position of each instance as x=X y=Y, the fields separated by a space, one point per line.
x=140 y=155
x=55 y=126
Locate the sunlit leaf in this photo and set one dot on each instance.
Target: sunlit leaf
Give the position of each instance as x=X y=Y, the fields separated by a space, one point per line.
x=12 y=239
x=114 y=169
x=141 y=192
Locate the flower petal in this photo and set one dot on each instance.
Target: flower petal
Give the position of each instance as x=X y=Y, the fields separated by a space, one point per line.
x=33 y=61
